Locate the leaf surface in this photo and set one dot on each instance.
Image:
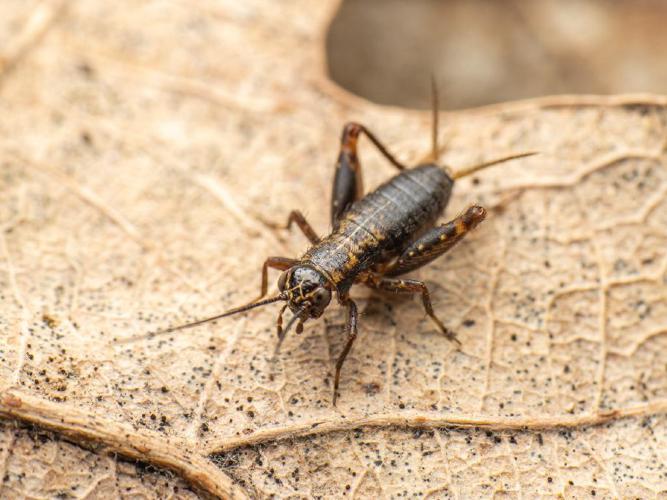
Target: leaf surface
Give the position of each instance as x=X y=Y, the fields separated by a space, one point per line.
x=147 y=148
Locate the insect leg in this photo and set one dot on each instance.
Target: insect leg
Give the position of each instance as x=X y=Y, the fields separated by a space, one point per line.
x=279 y=321
x=348 y=184
x=414 y=286
x=351 y=331
x=295 y=216
x=437 y=241
x=280 y=263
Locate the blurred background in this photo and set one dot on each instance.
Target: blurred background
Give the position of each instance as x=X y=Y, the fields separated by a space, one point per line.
x=488 y=51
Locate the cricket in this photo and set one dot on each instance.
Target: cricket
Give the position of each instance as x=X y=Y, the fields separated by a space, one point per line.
x=375 y=239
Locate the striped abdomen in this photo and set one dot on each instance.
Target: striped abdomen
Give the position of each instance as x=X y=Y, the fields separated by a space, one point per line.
x=382 y=223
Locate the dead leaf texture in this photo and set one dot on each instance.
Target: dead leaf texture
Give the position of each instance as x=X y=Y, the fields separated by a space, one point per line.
x=144 y=145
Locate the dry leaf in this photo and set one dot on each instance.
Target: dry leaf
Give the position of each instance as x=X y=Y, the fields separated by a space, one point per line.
x=144 y=147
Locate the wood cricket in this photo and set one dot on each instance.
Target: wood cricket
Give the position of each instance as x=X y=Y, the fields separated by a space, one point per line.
x=375 y=239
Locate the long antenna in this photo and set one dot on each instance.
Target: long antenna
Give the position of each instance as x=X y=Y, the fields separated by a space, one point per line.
x=464 y=172
x=436 y=107
x=226 y=313
x=433 y=156
x=435 y=149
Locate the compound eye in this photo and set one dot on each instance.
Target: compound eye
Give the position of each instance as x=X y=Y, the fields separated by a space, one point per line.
x=282 y=280
x=322 y=296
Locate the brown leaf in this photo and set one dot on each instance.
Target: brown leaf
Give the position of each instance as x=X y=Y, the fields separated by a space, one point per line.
x=144 y=148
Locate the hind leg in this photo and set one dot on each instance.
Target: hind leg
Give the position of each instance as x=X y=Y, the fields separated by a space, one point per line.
x=436 y=242
x=348 y=184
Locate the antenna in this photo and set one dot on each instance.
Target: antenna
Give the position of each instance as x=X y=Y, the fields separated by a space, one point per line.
x=435 y=148
x=464 y=172
x=435 y=108
x=224 y=314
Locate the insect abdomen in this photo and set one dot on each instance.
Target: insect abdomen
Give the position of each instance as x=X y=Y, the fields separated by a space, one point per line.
x=384 y=221
x=405 y=205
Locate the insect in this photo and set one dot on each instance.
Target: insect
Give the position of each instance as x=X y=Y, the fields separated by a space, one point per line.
x=375 y=240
